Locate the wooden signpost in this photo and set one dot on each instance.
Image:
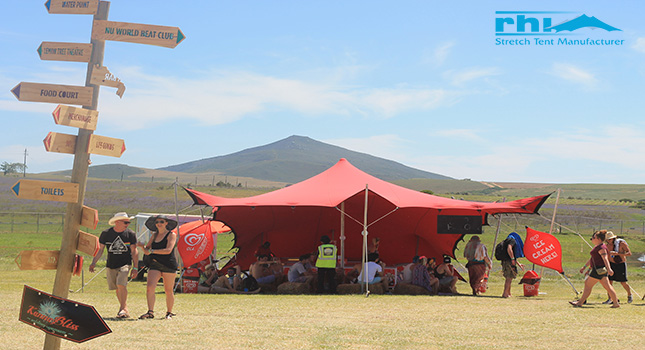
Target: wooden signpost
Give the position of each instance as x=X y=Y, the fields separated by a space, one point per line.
x=89 y=217
x=76 y=117
x=77 y=7
x=38 y=259
x=52 y=93
x=106 y=146
x=60 y=143
x=73 y=52
x=87 y=243
x=85 y=119
x=137 y=33
x=46 y=190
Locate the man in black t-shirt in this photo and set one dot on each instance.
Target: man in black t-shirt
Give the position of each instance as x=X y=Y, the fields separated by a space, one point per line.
x=121 y=243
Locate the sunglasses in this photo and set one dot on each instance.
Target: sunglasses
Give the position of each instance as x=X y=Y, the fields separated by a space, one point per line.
x=126 y=222
x=160 y=222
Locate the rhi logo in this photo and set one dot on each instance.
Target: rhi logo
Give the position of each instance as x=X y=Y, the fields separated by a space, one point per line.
x=541 y=23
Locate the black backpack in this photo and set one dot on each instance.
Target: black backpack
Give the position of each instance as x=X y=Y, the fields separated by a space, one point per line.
x=249 y=284
x=501 y=252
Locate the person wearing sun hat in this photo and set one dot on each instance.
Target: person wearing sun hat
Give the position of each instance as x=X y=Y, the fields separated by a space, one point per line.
x=618 y=253
x=161 y=249
x=122 y=258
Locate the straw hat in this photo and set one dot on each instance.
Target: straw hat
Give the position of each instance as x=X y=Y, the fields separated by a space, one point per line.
x=118 y=217
x=610 y=235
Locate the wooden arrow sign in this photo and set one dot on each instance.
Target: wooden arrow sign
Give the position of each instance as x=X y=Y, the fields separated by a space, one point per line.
x=78 y=7
x=73 y=52
x=101 y=76
x=106 y=146
x=137 y=33
x=87 y=243
x=46 y=190
x=51 y=93
x=60 y=143
x=89 y=217
x=38 y=259
x=76 y=117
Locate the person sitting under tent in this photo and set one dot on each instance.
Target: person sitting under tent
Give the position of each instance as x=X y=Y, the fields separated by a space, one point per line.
x=266 y=271
x=406 y=273
x=374 y=272
x=299 y=273
x=229 y=283
x=265 y=249
x=421 y=277
x=445 y=272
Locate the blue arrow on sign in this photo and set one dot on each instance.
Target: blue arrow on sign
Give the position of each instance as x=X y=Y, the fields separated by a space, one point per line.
x=16 y=91
x=180 y=36
x=16 y=188
x=48 y=4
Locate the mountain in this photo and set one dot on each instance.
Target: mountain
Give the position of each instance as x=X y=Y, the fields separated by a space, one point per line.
x=297 y=158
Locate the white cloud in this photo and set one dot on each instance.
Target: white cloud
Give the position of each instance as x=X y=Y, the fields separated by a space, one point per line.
x=639 y=45
x=461 y=77
x=574 y=74
x=461 y=134
x=439 y=55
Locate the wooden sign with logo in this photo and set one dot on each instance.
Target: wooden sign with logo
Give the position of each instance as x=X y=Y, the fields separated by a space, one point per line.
x=46 y=190
x=87 y=243
x=63 y=318
x=60 y=143
x=106 y=146
x=73 y=52
x=38 y=259
x=76 y=7
x=137 y=33
x=76 y=117
x=89 y=217
x=52 y=93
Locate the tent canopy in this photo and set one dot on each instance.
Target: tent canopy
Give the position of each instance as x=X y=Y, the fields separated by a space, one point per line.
x=294 y=218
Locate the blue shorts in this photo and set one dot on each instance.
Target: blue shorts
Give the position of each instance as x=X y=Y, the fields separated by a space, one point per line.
x=376 y=279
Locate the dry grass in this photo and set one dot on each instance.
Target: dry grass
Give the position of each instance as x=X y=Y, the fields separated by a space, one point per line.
x=342 y=322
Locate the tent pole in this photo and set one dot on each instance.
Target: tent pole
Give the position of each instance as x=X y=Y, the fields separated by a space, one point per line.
x=177 y=256
x=555 y=209
x=364 y=281
x=342 y=235
x=499 y=226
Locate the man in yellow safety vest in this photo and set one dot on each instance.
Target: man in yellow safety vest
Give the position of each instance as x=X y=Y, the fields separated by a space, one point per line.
x=326 y=264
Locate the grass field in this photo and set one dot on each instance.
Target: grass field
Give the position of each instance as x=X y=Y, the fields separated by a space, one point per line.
x=339 y=322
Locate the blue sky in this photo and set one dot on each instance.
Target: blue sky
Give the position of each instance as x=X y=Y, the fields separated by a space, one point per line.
x=422 y=83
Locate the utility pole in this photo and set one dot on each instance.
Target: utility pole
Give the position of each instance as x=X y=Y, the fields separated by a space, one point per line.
x=24 y=165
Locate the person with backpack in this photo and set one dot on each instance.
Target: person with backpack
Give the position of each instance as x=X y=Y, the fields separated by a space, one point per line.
x=505 y=252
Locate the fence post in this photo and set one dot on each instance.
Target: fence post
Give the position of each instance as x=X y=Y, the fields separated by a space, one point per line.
x=12 y=215
x=37 y=222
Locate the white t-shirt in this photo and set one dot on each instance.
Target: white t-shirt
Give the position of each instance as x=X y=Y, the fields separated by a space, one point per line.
x=372 y=268
x=407 y=273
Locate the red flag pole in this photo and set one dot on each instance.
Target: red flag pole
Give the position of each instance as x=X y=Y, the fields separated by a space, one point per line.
x=555 y=209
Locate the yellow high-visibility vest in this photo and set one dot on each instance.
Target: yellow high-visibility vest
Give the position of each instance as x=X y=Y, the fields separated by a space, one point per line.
x=326 y=256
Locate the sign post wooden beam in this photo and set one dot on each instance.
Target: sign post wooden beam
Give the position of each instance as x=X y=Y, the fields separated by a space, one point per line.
x=79 y=175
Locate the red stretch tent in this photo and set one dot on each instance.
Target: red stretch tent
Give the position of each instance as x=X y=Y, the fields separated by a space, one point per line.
x=294 y=218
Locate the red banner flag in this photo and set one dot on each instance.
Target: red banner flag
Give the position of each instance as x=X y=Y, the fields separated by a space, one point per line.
x=543 y=249
x=196 y=240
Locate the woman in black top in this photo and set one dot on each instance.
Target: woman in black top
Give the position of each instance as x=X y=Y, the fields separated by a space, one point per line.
x=163 y=264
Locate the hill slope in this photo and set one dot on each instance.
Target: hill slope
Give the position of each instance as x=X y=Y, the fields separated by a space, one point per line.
x=297 y=158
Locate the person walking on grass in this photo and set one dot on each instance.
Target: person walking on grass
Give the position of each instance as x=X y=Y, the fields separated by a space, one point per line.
x=122 y=258
x=161 y=248
x=618 y=253
x=600 y=269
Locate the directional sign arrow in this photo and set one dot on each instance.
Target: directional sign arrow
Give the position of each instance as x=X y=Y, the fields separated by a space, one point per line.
x=106 y=146
x=77 y=7
x=87 y=243
x=63 y=318
x=37 y=259
x=74 y=52
x=76 y=117
x=60 y=143
x=89 y=217
x=52 y=93
x=46 y=190
x=137 y=33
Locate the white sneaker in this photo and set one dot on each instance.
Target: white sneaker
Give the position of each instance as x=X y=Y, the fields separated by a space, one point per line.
x=629 y=299
x=606 y=302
